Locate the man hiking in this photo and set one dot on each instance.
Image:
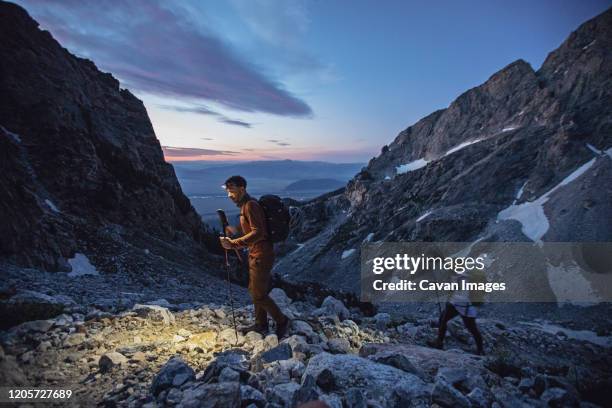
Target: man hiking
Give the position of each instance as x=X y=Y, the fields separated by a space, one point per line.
x=261 y=256
x=464 y=304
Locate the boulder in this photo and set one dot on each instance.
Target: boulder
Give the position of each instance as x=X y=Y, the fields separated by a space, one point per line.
x=271 y=340
x=250 y=395
x=227 y=374
x=559 y=397
x=74 y=340
x=446 y=395
x=308 y=390
x=204 y=340
x=39 y=326
x=340 y=372
x=229 y=336
x=301 y=327
x=221 y=395
x=10 y=371
x=155 y=313
x=396 y=360
x=382 y=320
x=236 y=359
x=354 y=399
x=174 y=373
x=480 y=398
x=339 y=346
x=333 y=307
x=30 y=305
x=283 y=394
x=429 y=360
x=411 y=394
x=108 y=361
x=280 y=352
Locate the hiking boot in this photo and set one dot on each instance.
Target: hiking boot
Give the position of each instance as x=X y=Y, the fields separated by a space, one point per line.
x=263 y=330
x=281 y=328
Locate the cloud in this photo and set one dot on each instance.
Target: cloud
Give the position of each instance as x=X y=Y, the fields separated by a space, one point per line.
x=203 y=110
x=235 y=122
x=185 y=152
x=154 y=46
x=278 y=142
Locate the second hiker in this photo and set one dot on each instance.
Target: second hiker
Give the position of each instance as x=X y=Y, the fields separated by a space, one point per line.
x=260 y=259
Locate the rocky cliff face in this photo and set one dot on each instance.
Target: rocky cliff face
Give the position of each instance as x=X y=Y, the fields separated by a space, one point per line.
x=450 y=176
x=81 y=165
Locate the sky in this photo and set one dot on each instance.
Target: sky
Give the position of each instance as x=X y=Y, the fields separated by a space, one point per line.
x=331 y=80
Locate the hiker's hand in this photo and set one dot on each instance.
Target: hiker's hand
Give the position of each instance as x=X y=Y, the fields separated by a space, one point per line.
x=226 y=243
x=230 y=230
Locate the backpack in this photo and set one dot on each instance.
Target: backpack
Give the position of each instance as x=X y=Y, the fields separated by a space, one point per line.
x=277 y=217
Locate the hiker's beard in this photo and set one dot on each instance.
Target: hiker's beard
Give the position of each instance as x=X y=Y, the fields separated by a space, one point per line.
x=236 y=198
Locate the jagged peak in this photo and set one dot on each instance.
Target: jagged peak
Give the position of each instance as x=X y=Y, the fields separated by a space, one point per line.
x=594 y=34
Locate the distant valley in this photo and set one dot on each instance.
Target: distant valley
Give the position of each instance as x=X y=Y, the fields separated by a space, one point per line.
x=301 y=180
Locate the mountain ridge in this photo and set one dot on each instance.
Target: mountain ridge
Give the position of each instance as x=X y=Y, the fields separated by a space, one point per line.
x=87 y=151
x=449 y=175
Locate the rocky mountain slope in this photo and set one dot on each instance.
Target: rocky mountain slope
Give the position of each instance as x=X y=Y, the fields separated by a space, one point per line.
x=82 y=169
x=524 y=156
x=153 y=356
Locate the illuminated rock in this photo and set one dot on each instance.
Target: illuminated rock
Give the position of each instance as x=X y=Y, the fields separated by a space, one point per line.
x=155 y=313
x=111 y=360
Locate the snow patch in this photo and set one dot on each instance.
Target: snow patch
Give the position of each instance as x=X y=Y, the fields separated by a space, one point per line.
x=594 y=149
x=425 y=215
x=12 y=135
x=387 y=177
x=588 y=45
x=534 y=223
x=51 y=205
x=508 y=129
x=461 y=146
x=81 y=266
x=417 y=164
x=413 y=165
x=519 y=193
x=368 y=238
x=347 y=253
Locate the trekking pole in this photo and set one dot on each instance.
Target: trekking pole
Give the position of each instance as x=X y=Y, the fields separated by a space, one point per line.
x=435 y=275
x=224 y=224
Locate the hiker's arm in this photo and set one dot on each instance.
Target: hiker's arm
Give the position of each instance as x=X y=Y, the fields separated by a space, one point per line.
x=232 y=230
x=257 y=220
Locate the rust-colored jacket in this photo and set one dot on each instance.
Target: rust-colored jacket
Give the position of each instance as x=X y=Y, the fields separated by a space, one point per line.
x=253 y=225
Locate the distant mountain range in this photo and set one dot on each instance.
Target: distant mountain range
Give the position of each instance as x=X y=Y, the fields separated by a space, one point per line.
x=319 y=184
x=262 y=176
